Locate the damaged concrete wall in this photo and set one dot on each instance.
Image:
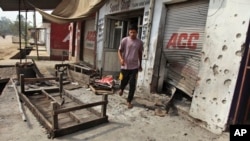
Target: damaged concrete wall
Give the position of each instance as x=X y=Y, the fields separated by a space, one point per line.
x=226 y=29
x=144 y=83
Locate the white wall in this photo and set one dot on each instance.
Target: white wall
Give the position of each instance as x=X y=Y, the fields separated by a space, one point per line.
x=47 y=36
x=226 y=29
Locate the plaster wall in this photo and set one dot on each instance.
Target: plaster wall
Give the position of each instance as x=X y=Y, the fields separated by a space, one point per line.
x=226 y=29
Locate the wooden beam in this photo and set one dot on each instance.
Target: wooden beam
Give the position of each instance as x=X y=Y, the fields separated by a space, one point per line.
x=55 y=106
x=40 y=117
x=92 y=110
x=60 y=84
x=64 y=110
x=22 y=83
x=39 y=79
x=104 y=106
x=78 y=127
x=49 y=96
x=74 y=117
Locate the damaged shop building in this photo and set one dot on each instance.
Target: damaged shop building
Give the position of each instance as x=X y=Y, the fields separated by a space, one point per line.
x=199 y=47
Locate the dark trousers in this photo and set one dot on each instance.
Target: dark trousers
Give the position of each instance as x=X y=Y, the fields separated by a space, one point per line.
x=129 y=76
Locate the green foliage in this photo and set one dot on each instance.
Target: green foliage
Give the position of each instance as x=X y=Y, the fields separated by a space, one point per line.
x=7 y=27
x=5 y=24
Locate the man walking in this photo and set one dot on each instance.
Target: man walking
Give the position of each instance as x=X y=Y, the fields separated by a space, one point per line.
x=130 y=56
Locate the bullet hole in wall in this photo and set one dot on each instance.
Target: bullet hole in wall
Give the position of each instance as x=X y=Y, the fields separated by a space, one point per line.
x=220 y=57
x=206 y=60
x=226 y=71
x=224 y=48
x=215 y=69
x=218 y=120
x=208 y=81
x=238 y=35
x=238 y=53
x=224 y=101
x=227 y=82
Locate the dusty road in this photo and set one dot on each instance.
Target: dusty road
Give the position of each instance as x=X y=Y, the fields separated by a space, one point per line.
x=136 y=124
x=7 y=49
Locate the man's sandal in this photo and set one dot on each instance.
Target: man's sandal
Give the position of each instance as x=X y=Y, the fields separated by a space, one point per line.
x=120 y=93
x=130 y=105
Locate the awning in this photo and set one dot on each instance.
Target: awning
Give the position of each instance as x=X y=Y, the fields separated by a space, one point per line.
x=72 y=10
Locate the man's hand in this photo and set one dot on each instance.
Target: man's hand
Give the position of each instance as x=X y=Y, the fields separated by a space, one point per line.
x=122 y=62
x=140 y=69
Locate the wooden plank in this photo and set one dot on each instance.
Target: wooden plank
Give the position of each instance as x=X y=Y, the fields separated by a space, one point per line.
x=49 y=89
x=104 y=106
x=55 y=106
x=51 y=97
x=96 y=91
x=64 y=110
x=4 y=80
x=79 y=77
x=78 y=127
x=80 y=102
x=74 y=117
x=36 y=112
x=81 y=67
x=39 y=79
x=65 y=121
x=22 y=83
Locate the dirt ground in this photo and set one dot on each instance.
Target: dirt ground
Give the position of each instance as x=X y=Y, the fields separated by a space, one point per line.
x=138 y=124
x=7 y=49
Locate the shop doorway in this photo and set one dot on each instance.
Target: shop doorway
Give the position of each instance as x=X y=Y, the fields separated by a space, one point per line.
x=117 y=28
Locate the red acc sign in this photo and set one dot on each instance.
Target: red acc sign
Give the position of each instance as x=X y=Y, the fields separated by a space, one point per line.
x=183 y=40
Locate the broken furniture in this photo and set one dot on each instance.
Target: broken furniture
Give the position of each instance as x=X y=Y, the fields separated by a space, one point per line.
x=75 y=73
x=58 y=111
x=85 y=75
x=105 y=85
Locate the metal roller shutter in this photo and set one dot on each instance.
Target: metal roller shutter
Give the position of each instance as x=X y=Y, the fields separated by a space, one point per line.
x=183 y=41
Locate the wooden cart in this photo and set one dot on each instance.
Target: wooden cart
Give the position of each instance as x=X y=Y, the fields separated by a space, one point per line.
x=58 y=111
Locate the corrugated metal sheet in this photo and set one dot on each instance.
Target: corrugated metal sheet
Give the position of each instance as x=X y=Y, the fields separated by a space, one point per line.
x=183 y=41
